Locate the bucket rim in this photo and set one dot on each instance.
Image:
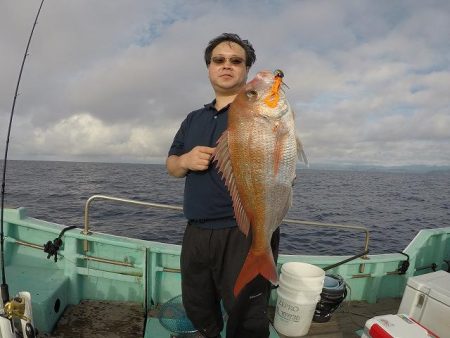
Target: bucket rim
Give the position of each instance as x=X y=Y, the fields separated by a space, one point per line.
x=289 y=266
x=300 y=285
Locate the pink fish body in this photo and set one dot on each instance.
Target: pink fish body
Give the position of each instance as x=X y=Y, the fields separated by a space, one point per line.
x=257 y=156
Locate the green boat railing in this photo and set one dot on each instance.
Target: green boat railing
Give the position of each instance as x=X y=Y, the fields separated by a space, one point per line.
x=86 y=231
x=151 y=265
x=117 y=199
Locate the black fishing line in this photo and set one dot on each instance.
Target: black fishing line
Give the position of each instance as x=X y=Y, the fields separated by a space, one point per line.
x=4 y=286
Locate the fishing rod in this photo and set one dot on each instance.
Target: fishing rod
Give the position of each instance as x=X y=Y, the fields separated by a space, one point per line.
x=4 y=285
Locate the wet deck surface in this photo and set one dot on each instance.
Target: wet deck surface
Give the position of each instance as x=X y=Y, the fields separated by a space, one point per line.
x=98 y=319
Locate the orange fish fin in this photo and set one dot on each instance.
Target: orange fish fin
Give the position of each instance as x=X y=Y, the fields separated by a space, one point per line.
x=301 y=152
x=222 y=156
x=280 y=142
x=256 y=264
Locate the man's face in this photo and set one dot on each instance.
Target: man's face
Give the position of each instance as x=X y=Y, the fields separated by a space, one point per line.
x=227 y=70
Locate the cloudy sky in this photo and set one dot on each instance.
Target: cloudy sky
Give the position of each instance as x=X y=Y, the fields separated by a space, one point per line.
x=112 y=80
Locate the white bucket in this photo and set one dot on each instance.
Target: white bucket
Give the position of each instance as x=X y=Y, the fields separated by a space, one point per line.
x=300 y=285
x=302 y=276
x=298 y=294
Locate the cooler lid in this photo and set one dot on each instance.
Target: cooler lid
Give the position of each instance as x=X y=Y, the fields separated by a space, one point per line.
x=435 y=284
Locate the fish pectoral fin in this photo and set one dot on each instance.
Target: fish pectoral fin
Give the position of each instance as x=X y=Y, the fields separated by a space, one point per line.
x=222 y=157
x=281 y=134
x=263 y=265
x=300 y=152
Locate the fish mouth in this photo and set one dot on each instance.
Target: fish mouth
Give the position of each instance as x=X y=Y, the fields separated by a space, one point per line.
x=266 y=76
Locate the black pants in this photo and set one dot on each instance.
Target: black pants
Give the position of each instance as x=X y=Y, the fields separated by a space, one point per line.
x=210 y=263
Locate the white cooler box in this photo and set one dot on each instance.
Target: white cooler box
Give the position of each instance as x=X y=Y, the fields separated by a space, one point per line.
x=394 y=326
x=427 y=301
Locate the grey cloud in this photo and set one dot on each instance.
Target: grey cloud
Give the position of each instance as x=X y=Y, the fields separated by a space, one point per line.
x=107 y=80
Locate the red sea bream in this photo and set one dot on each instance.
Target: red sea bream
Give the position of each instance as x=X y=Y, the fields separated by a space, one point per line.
x=257 y=156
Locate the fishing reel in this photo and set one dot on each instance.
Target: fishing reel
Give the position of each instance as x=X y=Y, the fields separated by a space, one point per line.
x=16 y=318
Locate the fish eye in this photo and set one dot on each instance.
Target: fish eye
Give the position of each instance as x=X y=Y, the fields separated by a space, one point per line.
x=252 y=94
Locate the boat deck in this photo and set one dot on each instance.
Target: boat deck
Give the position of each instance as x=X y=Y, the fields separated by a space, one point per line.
x=97 y=319
x=350 y=318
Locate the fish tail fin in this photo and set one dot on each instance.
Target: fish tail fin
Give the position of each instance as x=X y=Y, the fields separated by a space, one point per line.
x=256 y=264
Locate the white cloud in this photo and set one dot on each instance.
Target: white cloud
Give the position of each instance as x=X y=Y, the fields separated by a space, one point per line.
x=113 y=81
x=84 y=136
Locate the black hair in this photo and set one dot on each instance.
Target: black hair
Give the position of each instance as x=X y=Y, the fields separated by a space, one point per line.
x=250 y=56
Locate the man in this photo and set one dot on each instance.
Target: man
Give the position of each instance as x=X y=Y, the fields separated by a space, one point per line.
x=214 y=249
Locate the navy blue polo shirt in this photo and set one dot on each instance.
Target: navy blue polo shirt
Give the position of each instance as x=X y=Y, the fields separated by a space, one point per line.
x=207 y=202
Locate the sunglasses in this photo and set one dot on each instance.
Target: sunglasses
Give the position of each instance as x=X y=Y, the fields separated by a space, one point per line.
x=220 y=60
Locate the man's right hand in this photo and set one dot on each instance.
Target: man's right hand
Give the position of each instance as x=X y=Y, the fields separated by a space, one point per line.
x=198 y=159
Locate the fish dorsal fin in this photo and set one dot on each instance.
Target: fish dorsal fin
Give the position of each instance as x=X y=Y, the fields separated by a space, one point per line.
x=222 y=156
x=301 y=155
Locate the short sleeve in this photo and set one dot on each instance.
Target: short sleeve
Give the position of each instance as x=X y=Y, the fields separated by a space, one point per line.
x=177 y=147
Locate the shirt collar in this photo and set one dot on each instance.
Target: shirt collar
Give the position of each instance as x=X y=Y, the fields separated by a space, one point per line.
x=212 y=104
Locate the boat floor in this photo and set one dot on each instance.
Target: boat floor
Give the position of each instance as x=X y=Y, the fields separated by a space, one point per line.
x=350 y=318
x=98 y=319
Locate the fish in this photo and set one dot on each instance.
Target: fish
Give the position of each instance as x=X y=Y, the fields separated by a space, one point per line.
x=257 y=156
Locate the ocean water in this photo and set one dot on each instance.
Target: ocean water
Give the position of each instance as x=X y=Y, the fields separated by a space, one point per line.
x=394 y=206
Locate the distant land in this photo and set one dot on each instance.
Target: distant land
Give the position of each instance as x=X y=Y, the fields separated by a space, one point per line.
x=414 y=168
